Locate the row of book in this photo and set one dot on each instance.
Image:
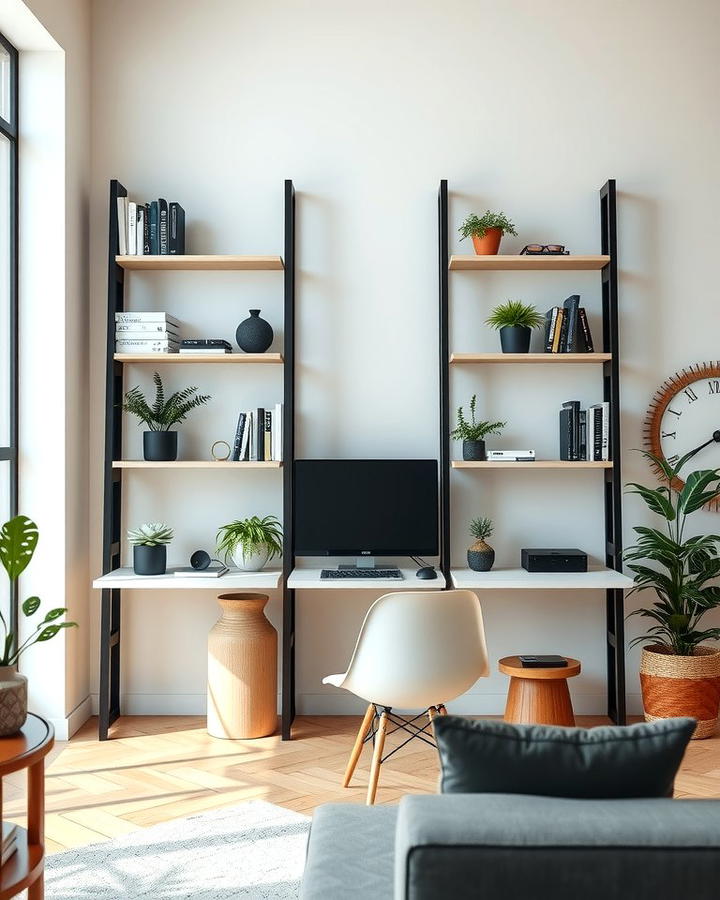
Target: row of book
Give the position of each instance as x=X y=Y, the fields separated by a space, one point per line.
x=585 y=433
x=567 y=329
x=156 y=228
x=259 y=435
x=146 y=332
x=9 y=841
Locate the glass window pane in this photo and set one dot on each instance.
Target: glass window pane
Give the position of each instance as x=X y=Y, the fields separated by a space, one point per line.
x=4 y=516
x=4 y=291
x=4 y=84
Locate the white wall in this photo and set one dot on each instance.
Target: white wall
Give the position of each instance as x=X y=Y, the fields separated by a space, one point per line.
x=366 y=106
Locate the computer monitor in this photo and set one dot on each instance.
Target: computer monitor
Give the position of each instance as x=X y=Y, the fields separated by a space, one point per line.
x=366 y=507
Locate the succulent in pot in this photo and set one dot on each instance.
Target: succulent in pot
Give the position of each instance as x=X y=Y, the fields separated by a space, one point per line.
x=250 y=543
x=18 y=540
x=486 y=231
x=515 y=321
x=149 y=543
x=473 y=433
x=159 y=442
x=480 y=555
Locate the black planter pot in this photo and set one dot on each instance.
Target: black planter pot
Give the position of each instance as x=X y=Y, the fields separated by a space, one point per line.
x=515 y=339
x=481 y=560
x=474 y=450
x=160 y=446
x=150 y=560
x=254 y=335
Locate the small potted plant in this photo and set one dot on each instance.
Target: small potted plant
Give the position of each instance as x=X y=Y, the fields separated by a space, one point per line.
x=149 y=543
x=679 y=673
x=18 y=540
x=159 y=443
x=515 y=321
x=250 y=543
x=473 y=433
x=480 y=555
x=486 y=231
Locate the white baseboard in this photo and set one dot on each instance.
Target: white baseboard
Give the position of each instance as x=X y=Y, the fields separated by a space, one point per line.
x=66 y=726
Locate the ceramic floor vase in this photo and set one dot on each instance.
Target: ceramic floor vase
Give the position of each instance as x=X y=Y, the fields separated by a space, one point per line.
x=254 y=335
x=242 y=670
x=160 y=446
x=13 y=700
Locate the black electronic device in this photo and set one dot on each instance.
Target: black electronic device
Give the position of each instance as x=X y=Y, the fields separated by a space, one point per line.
x=549 y=661
x=551 y=560
x=426 y=572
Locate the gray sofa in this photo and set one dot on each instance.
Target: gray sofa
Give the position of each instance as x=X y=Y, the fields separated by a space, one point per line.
x=503 y=846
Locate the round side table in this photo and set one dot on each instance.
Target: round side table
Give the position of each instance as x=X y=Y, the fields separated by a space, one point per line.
x=539 y=696
x=27 y=750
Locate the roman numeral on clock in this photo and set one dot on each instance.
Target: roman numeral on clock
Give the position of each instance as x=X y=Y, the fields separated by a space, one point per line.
x=714 y=386
x=669 y=434
x=672 y=459
x=691 y=395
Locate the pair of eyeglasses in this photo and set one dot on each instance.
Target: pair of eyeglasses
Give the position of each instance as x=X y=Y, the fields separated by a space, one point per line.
x=550 y=249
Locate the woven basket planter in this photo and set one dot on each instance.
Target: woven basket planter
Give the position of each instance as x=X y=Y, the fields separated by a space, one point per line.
x=682 y=686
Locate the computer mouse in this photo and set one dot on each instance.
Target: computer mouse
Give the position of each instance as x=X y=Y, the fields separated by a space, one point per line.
x=426 y=572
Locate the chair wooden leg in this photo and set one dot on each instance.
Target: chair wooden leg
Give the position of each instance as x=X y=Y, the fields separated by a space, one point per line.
x=441 y=709
x=431 y=713
x=359 y=741
x=377 y=758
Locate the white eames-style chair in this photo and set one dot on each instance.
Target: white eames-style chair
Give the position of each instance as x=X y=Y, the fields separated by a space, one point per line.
x=415 y=650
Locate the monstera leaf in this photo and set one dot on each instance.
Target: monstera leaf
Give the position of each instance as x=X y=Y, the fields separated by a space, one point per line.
x=18 y=540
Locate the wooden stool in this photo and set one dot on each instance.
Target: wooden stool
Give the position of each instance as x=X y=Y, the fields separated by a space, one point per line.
x=539 y=696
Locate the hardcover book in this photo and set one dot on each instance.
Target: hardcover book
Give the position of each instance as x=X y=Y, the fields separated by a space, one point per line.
x=571 y=305
x=162 y=226
x=176 y=229
x=584 y=328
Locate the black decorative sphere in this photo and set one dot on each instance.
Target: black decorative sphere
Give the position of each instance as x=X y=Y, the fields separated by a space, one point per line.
x=254 y=335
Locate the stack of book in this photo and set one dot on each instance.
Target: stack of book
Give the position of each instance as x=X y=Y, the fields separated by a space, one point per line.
x=209 y=346
x=9 y=842
x=585 y=433
x=258 y=436
x=156 y=228
x=146 y=332
x=567 y=329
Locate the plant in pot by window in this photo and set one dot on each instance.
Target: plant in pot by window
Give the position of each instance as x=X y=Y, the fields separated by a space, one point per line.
x=486 y=231
x=149 y=543
x=473 y=433
x=515 y=321
x=159 y=443
x=679 y=674
x=250 y=543
x=18 y=540
x=480 y=555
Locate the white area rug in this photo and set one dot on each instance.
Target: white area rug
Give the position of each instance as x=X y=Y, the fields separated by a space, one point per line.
x=255 y=851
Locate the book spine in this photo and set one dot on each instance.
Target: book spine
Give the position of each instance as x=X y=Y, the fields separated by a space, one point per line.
x=252 y=440
x=238 y=442
x=565 y=434
x=159 y=317
x=176 y=238
x=574 y=407
x=163 y=226
x=146 y=229
x=584 y=327
x=245 y=445
x=140 y=231
x=605 y=431
x=582 y=446
x=596 y=432
x=268 y=434
x=260 y=436
x=132 y=229
x=547 y=342
x=147 y=328
x=122 y=225
x=557 y=331
x=144 y=346
x=154 y=237
x=571 y=306
x=562 y=346
x=278 y=431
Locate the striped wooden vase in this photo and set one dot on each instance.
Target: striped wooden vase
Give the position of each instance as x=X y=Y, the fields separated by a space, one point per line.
x=682 y=686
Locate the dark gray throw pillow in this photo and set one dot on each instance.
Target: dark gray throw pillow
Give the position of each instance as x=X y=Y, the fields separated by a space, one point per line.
x=491 y=757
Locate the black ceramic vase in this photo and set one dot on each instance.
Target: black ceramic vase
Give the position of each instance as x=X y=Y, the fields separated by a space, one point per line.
x=254 y=335
x=480 y=557
x=160 y=446
x=473 y=450
x=515 y=339
x=150 y=560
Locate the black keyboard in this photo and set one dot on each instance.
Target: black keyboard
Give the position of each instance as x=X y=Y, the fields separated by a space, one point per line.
x=361 y=573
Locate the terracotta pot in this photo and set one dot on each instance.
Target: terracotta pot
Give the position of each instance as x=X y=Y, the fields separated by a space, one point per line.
x=242 y=670
x=489 y=243
x=682 y=686
x=13 y=700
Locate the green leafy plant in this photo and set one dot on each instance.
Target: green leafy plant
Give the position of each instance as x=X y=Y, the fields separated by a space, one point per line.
x=481 y=528
x=677 y=568
x=18 y=540
x=514 y=313
x=152 y=534
x=250 y=534
x=163 y=414
x=473 y=430
x=476 y=226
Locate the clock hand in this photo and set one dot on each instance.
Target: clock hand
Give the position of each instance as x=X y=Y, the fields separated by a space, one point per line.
x=714 y=439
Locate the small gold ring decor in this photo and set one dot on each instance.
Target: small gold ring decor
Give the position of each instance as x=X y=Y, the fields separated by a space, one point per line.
x=217 y=456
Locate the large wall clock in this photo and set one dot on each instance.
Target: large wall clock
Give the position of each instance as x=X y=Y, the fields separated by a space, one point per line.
x=684 y=416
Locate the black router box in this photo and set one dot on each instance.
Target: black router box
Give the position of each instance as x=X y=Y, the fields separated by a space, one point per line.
x=554 y=560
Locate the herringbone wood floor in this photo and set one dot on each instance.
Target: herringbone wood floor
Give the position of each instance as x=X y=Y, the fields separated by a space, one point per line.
x=161 y=768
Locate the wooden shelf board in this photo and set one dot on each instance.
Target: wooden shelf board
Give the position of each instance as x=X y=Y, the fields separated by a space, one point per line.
x=231 y=358
x=530 y=358
x=193 y=464
x=204 y=262
x=538 y=464
x=596 y=578
x=510 y=263
x=309 y=579
x=125 y=578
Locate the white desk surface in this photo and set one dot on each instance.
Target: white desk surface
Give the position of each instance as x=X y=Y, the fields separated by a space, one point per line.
x=596 y=578
x=309 y=579
x=265 y=579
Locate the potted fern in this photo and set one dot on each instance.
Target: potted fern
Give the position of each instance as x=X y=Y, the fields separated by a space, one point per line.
x=515 y=321
x=486 y=231
x=250 y=542
x=159 y=442
x=480 y=555
x=149 y=543
x=679 y=672
x=473 y=433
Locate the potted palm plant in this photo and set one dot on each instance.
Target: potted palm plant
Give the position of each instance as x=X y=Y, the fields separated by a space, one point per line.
x=486 y=231
x=480 y=555
x=250 y=543
x=149 y=543
x=515 y=321
x=159 y=442
x=18 y=540
x=473 y=433
x=679 y=673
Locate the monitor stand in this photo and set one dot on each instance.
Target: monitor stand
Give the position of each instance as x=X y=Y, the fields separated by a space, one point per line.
x=365 y=562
